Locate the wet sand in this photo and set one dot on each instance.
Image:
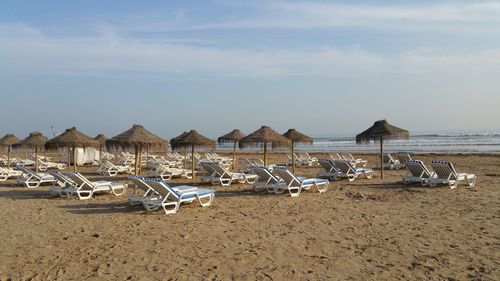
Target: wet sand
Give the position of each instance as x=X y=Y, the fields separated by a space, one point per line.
x=361 y=230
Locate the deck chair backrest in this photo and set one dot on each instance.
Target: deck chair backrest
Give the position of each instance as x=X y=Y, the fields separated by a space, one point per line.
x=327 y=165
x=61 y=177
x=219 y=169
x=347 y=156
x=264 y=174
x=388 y=158
x=344 y=166
x=207 y=166
x=162 y=188
x=417 y=168
x=403 y=157
x=140 y=183
x=29 y=172
x=443 y=169
x=285 y=174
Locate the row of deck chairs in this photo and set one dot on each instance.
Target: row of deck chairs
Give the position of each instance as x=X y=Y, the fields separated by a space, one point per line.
x=77 y=185
x=443 y=173
x=301 y=159
x=279 y=179
x=247 y=164
x=16 y=161
x=338 y=169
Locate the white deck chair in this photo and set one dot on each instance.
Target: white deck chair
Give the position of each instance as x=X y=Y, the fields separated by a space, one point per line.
x=167 y=173
x=171 y=199
x=66 y=186
x=417 y=172
x=354 y=161
x=329 y=170
x=403 y=157
x=98 y=186
x=225 y=177
x=266 y=180
x=445 y=173
x=6 y=173
x=390 y=163
x=347 y=170
x=44 y=164
x=110 y=169
x=295 y=185
x=30 y=179
x=149 y=193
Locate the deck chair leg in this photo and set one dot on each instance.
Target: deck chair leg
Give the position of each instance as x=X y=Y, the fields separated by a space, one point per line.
x=171 y=211
x=208 y=203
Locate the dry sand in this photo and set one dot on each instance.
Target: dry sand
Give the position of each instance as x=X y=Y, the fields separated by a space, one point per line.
x=365 y=230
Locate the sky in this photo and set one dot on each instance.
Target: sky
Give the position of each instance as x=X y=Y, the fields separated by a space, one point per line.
x=326 y=68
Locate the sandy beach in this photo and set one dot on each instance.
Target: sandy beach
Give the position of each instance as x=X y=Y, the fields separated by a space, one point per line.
x=361 y=230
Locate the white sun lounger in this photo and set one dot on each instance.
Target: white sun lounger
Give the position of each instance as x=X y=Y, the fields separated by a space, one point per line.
x=167 y=173
x=445 y=173
x=109 y=169
x=295 y=185
x=65 y=186
x=30 y=179
x=6 y=173
x=390 y=163
x=226 y=177
x=149 y=192
x=97 y=186
x=403 y=157
x=347 y=170
x=417 y=172
x=171 y=199
x=354 y=161
x=266 y=180
x=329 y=170
x=44 y=165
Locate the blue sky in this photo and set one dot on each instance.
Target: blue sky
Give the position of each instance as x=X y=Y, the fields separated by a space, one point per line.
x=323 y=67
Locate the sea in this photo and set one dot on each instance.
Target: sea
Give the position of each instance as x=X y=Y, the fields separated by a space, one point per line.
x=482 y=142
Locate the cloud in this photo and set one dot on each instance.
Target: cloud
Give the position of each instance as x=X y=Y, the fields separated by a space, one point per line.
x=457 y=17
x=27 y=50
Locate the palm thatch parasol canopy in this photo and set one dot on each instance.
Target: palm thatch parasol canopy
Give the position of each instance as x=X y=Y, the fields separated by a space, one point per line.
x=101 y=138
x=296 y=137
x=71 y=138
x=232 y=137
x=35 y=140
x=8 y=141
x=263 y=136
x=380 y=131
x=136 y=137
x=191 y=139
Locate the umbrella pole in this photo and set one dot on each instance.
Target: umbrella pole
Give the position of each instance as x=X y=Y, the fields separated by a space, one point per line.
x=147 y=155
x=69 y=158
x=185 y=158
x=140 y=159
x=26 y=153
x=293 y=157
x=100 y=153
x=8 y=158
x=36 y=159
x=135 y=164
x=234 y=156
x=74 y=159
x=381 y=158
x=265 y=153
x=192 y=161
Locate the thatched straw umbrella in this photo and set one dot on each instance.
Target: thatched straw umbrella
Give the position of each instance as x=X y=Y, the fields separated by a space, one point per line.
x=263 y=136
x=101 y=138
x=72 y=139
x=8 y=141
x=137 y=137
x=296 y=137
x=35 y=140
x=378 y=132
x=233 y=137
x=191 y=139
